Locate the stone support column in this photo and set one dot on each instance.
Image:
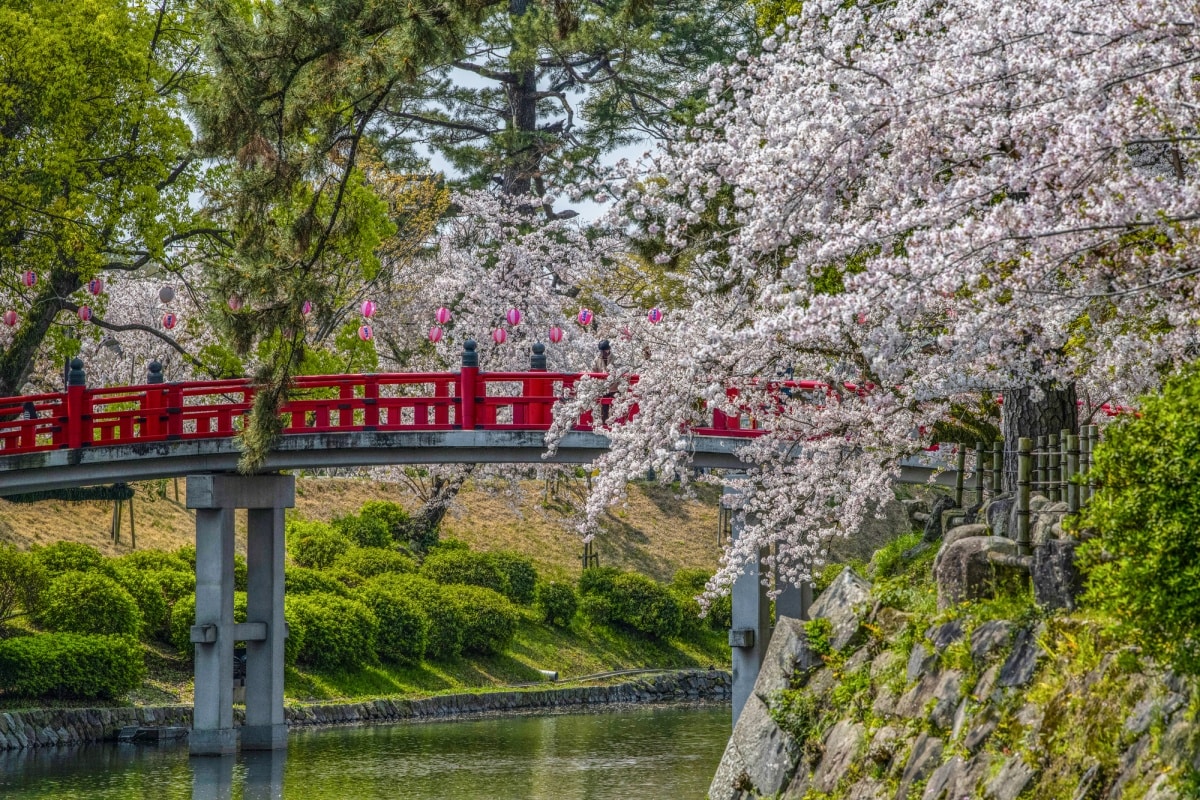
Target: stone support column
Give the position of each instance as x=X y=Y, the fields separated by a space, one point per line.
x=266 y=728
x=751 y=631
x=212 y=722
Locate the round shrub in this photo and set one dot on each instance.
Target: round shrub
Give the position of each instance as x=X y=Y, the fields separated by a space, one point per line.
x=691 y=626
x=315 y=544
x=645 y=606
x=176 y=584
x=446 y=621
x=71 y=665
x=147 y=592
x=450 y=544
x=240 y=572
x=391 y=515
x=598 y=608
x=490 y=618
x=156 y=560
x=302 y=580
x=403 y=626
x=465 y=567
x=686 y=585
x=23 y=579
x=690 y=581
x=338 y=633
x=598 y=580
x=519 y=574
x=1141 y=568
x=720 y=613
x=364 y=531
x=371 y=561
x=89 y=602
x=556 y=601
x=63 y=557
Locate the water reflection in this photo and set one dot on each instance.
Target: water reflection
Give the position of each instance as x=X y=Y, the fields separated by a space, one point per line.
x=653 y=753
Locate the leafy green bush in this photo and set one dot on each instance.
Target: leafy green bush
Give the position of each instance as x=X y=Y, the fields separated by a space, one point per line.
x=598 y=608
x=465 y=567
x=490 y=618
x=156 y=560
x=364 y=531
x=146 y=590
x=338 y=633
x=446 y=621
x=71 y=665
x=889 y=559
x=720 y=613
x=403 y=626
x=315 y=544
x=450 y=544
x=556 y=601
x=598 y=580
x=176 y=584
x=371 y=561
x=686 y=585
x=391 y=515
x=22 y=580
x=690 y=581
x=645 y=606
x=89 y=602
x=519 y=574
x=240 y=572
x=302 y=580
x=1142 y=568
x=63 y=557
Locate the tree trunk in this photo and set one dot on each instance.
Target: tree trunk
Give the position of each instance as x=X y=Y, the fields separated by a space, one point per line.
x=17 y=361
x=1023 y=417
x=425 y=523
x=524 y=156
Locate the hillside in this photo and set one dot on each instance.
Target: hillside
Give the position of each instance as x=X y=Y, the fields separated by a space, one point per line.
x=653 y=532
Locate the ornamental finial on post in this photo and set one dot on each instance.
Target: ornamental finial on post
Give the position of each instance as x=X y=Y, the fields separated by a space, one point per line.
x=154 y=372
x=537 y=359
x=75 y=376
x=469 y=357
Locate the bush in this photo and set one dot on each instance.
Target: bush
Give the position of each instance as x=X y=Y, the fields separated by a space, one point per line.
x=403 y=626
x=446 y=621
x=450 y=544
x=391 y=515
x=156 y=561
x=88 y=602
x=302 y=580
x=176 y=584
x=465 y=567
x=1141 y=569
x=71 y=665
x=557 y=602
x=598 y=608
x=371 y=561
x=490 y=618
x=634 y=601
x=315 y=544
x=686 y=585
x=364 y=531
x=519 y=574
x=147 y=592
x=690 y=581
x=598 y=580
x=22 y=581
x=63 y=557
x=338 y=633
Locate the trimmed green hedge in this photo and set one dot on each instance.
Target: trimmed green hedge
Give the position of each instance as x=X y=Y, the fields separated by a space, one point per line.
x=62 y=557
x=71 y=665
x=391 y=515
x=315 y=544
x=519 y=574
x=465 y=567
x=371 y=561
x=364 y=531
x=89 y=602
x=23 y=579
x=146 y=590
x=612 y=597
x=490 y=618
x=302 y=580
x=338 y=633
x=446 y=621
x=557 y=602
x=403 y=626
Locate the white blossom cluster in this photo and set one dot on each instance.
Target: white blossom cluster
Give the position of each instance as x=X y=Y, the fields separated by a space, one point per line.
x=924 y=199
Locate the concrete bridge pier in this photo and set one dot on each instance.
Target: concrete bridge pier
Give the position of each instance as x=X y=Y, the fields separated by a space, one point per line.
x=215 y=499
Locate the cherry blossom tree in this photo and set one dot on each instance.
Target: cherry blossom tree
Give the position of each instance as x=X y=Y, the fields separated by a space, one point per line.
x=915 y=201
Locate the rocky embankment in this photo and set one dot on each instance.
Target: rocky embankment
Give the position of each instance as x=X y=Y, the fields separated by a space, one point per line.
x=994 y=700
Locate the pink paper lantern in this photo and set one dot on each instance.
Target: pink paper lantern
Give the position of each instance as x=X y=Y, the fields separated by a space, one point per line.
x=655 y=316
x=368 y=308
x=442 y=315
x=435 y=334
x=499 y=336
x=585 y=316
x=556 y=334
x=235 y=302
x=10 y=318
x=306 y=309
x=169 y=320
x=29 y=277
x=84 y=313
x=95 y=286
x=365 y=333
x=513 y=316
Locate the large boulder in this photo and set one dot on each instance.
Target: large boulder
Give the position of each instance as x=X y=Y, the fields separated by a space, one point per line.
x=1057 y=581
x=845 y=603
x=964 y=571
x=997 y=512
x=933 y=528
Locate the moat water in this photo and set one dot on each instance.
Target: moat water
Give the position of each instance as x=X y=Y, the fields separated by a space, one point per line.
x=655 y=753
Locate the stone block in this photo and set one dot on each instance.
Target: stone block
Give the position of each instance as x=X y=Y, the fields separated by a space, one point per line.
x=990 y=638
x=844 y=604
x=933 y=528
x=964 y=572
x=841 y=745
x=997 y=512
x=924 y=758
x=1057 y=581
x=964 y=531
x=1019 y=668
x=1010 y=781
x=944 y=635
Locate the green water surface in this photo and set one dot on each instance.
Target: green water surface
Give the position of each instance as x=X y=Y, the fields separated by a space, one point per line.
x=644 y=753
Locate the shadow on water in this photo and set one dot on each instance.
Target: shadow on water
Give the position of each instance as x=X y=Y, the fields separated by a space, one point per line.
x=652 y=753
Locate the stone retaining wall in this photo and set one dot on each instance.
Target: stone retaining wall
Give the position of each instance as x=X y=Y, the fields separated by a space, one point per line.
x=48 y=727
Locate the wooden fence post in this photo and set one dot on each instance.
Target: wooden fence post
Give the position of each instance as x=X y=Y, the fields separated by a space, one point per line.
x=1085 y=459
x=960 y=463
x=1052 y=467
x=1039 y=465
x=997 y=467
x=1093 y=440
x=1024 y=465
x=1072 y=471
x=979 y=474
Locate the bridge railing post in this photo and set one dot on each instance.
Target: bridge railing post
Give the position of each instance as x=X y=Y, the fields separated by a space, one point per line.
x=537 y=413
x=174 y=411
x=153 y=401
x=79 y=407
x=468 y=385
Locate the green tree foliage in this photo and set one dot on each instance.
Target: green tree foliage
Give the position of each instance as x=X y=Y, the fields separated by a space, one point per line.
x=338 y=633
x=557 y=602
x=446 y=620
x=465 y=567
x=89 y=602
x=633 y=601
x=364 y=530
x=95 y=160
x=70 y=665
x=1144 y=566
x=315 y=544
x=392 y=515
x=22 y=581
x=403 y=626
x=489 y=619
x=368 y=562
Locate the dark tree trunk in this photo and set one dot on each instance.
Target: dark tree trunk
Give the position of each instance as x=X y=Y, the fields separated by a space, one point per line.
x=1025 y=418
x=17 y=361
x=524 y=156
x=425 y=523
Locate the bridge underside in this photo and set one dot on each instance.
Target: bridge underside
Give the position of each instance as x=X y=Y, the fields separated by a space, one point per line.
x=60 y=469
